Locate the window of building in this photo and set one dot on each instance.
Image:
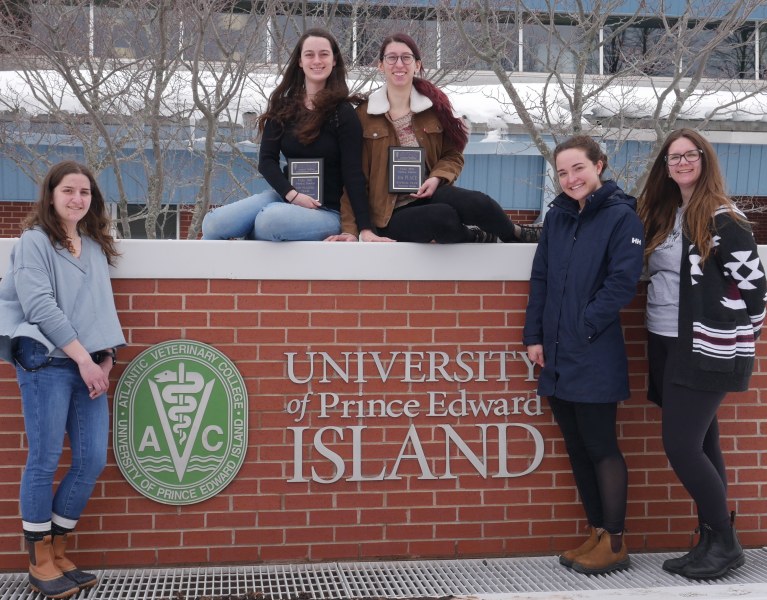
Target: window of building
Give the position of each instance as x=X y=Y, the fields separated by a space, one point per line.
x=645 y=49
x=558 y=47
x=732 y=57
x=504 y=39
x=286 y=28
x=60 y=27
x=235 y=36
x=16 y=22
x=131 y=33
x=422 y=27
x=167 y=221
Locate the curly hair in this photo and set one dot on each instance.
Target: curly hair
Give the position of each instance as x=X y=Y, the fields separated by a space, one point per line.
x=454 y=127
x=661 y=197
x=95 y=224
x=286 y=102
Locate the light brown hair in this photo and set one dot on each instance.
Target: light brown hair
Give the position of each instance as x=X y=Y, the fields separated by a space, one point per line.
x=661 y=197
x=95 y=224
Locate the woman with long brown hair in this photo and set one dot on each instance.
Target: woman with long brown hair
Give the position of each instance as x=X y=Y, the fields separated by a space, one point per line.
x=308 y=116
x=705 y=309
x=410 y=111
x=59 y=327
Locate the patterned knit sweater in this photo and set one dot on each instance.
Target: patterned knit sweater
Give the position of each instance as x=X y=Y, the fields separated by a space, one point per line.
x=721 y=309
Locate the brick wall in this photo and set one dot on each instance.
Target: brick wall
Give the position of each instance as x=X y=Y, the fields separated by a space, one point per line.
x=185 y=221
x=12 y=215
x=261 y=516
x=757 y=214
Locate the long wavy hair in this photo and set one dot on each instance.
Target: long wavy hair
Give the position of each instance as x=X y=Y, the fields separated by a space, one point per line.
x=95 y=224
x=454 y=127
x=286 y=103
x=661 y=197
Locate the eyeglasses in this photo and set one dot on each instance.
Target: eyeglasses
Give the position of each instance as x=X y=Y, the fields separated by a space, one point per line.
x=391 y=59
x=690 y=156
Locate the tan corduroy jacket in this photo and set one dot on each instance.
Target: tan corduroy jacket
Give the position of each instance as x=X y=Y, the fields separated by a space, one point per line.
x=443 y=159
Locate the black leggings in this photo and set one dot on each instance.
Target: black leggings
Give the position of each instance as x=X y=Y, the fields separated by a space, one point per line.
x=598 y=465
x=691 y=435
x=443 y=218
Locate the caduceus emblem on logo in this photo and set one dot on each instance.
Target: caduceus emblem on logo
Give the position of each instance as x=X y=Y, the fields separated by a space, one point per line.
x=181 y=405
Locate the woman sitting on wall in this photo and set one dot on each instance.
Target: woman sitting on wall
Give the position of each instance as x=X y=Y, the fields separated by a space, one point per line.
x=308 y=117
x=410 y=112
x=58 y=324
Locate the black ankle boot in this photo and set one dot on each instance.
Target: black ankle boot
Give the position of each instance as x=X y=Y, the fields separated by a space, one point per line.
x=481 y=236
x=722 y=553
x=675 y=565
x=530 y=234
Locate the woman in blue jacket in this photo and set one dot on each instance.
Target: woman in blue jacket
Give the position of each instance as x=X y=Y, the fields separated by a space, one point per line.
x=586 y=268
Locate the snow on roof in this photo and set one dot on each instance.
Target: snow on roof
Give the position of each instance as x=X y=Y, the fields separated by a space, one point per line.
x=488 y=104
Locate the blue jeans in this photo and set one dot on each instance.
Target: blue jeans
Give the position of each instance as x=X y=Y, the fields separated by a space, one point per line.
x=55 y=401
x=266 y=216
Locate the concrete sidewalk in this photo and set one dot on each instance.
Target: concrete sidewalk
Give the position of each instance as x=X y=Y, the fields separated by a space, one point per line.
x=746 y=591
x=532 y=578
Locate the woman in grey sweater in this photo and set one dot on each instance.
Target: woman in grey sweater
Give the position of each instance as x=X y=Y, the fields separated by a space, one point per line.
x=59 y=326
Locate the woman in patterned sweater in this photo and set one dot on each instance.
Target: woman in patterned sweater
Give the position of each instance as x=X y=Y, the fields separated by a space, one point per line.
x=705 y=308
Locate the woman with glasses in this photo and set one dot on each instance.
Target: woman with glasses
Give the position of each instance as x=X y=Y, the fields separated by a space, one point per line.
x=59 y=326
x=410 y=112
x=705 y=309
x=308 y=117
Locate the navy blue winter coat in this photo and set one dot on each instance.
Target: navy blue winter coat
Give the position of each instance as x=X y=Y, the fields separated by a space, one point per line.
x=586 y=268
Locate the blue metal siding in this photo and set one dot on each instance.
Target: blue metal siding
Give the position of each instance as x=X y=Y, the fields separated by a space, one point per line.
x=743 y=165
x=14 y=185
x=626 y=163
x=516 y=182
x=183 y=171
x=744 y=168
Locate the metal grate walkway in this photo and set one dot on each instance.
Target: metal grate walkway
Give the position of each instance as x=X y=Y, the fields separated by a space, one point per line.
x=405 y=579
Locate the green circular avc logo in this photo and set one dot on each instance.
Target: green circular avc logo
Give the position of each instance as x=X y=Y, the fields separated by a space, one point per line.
x=180 y=425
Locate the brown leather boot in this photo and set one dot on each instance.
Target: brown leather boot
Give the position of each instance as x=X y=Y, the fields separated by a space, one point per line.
x=602 y=559
x=44 y=576
x=567 y=557
x=82 y=579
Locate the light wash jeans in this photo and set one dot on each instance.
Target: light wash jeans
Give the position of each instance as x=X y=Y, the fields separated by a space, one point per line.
x=266 y=216
x=55 y=401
